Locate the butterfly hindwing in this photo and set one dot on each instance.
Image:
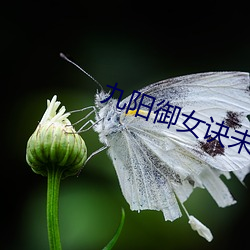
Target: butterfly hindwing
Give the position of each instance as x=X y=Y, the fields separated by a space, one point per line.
x=142 y=183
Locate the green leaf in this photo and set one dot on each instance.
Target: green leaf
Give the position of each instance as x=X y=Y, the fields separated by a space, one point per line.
x=248 y=117
x=117 y=234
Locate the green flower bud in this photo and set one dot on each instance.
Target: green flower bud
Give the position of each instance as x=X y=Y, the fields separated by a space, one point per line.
x=55 y=144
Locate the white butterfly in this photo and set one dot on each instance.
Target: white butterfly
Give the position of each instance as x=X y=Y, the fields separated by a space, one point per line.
x=159 y=167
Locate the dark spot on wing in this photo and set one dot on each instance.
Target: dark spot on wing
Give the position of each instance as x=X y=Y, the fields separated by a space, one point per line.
x=248 y=89
x=212 y=148
x=233 y=119
x=191 y=181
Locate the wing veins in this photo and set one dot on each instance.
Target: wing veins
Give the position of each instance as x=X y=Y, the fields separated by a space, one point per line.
x=132 y=153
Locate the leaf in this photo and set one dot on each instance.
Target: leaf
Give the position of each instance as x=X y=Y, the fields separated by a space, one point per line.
x=117 y=234
x=248 y=117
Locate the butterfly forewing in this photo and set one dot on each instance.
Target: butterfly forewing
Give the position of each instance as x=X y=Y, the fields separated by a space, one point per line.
x=214 y=98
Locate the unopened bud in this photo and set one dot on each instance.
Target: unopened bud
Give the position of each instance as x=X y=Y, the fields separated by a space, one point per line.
x=55 y=143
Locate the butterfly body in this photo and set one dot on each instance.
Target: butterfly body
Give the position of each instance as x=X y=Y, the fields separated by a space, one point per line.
x=108 y=119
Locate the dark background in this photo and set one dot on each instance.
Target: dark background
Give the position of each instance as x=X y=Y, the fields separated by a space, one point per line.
x=134 y=44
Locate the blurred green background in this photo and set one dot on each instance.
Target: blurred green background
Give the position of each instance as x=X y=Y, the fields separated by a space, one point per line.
x=132 y=44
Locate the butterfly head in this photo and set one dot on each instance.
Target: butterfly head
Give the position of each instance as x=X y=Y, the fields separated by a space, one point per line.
x=100 y=99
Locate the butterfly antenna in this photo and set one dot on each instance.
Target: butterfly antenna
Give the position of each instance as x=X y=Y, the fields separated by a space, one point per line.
x=68 y=60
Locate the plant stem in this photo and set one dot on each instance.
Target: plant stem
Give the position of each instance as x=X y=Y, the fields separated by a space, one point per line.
x=117 y=234
x=54 y=177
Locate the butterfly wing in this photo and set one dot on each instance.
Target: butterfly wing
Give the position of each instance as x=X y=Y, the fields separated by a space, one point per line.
x=141 y=182
x=190 y=89
x=214 y=96
x=153 y=169
x=155 y=163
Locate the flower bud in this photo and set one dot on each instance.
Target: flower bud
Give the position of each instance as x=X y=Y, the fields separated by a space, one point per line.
x=55 y=144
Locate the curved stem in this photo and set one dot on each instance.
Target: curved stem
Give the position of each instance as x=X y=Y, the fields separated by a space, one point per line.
x=117 y=234
x=54 y=177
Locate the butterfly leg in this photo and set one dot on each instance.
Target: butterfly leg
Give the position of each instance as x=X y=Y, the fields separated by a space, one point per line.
x=94 y=153
x=86 y=116
x=81 y=129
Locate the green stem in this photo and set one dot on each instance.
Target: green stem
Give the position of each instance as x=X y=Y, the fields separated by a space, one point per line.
x=54 y=177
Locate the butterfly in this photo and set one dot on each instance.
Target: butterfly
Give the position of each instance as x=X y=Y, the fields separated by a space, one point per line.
x=158 y=166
